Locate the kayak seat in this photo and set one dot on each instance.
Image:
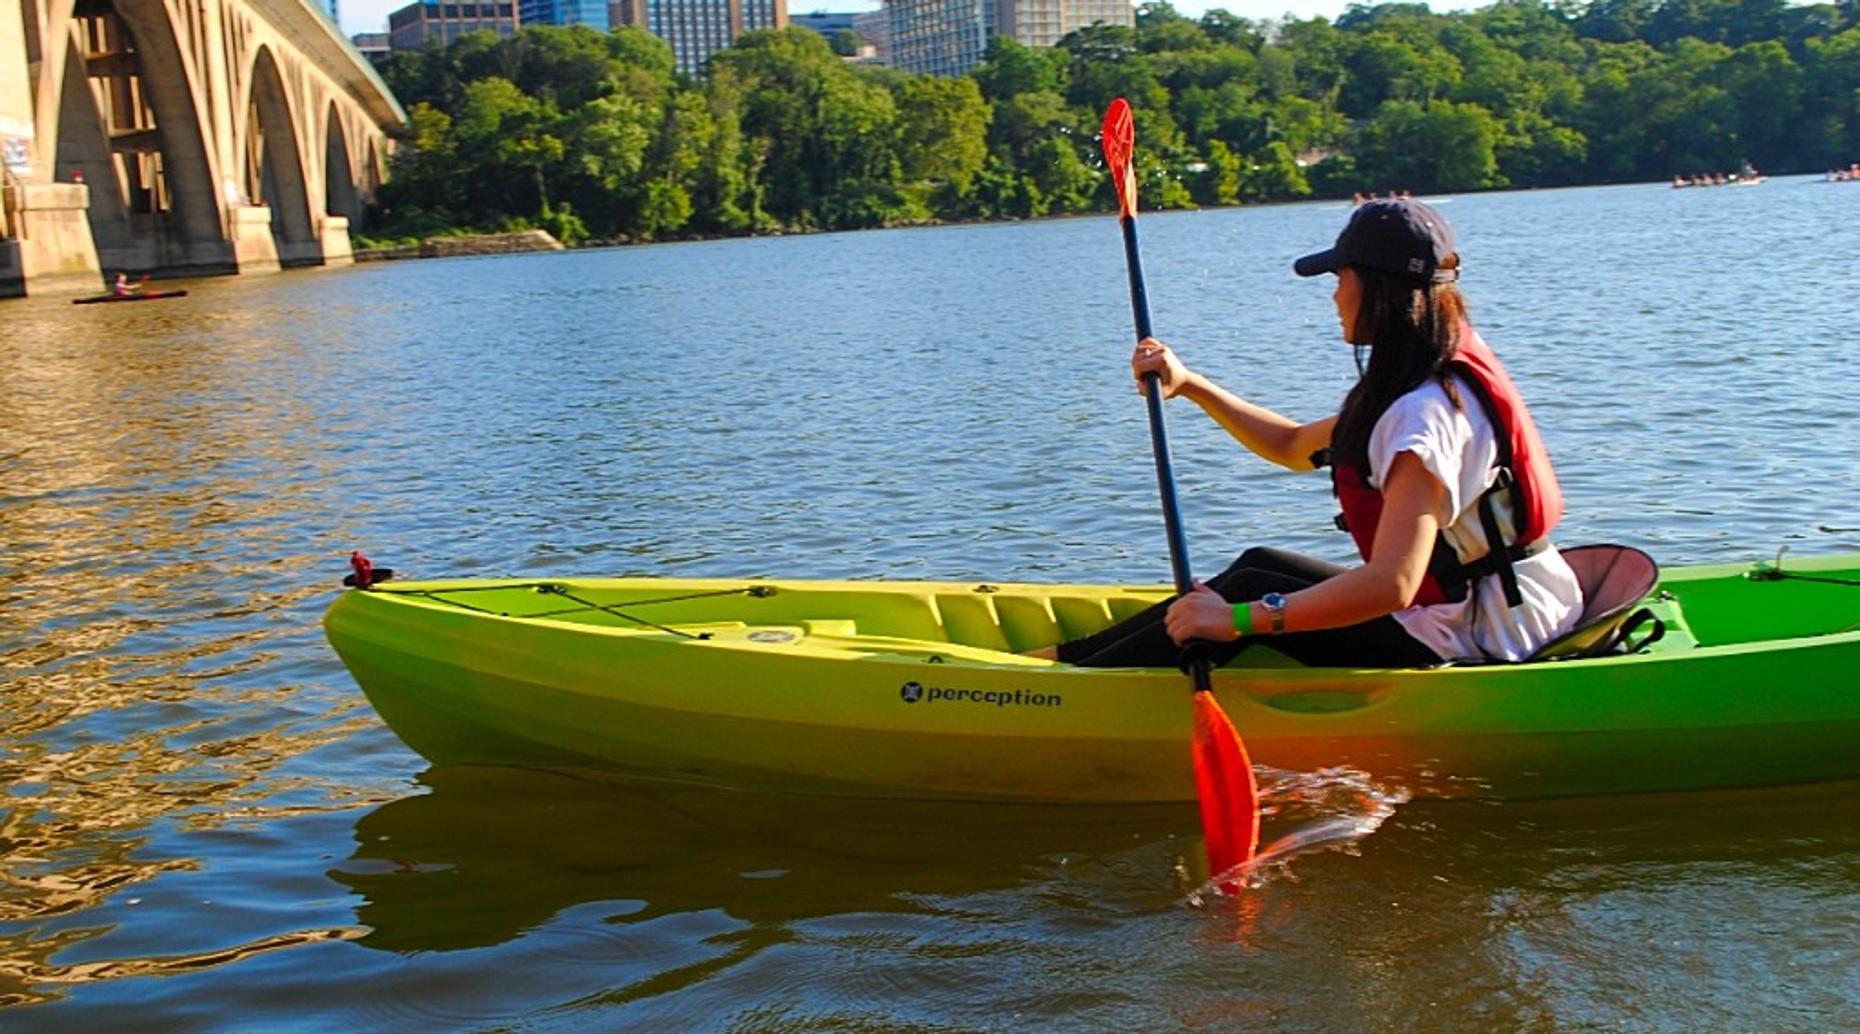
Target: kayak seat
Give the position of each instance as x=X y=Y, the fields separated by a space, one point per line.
x=1616 y=581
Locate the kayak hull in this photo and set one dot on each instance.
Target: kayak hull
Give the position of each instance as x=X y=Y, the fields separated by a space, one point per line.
x=140 y=296
x=912 y=692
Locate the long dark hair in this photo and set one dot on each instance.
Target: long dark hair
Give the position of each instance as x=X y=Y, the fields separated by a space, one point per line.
x=1412 y=331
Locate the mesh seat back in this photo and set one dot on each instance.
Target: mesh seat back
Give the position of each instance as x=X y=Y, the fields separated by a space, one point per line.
x=1614 y=580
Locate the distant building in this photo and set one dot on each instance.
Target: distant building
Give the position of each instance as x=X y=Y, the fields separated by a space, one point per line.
x=375 y=46
x=417 y=24
x=1042 y=23
x=938 y=37
x=696 y=29
x=831 y=23
x=875 y=28
x=595 y=14
x=948 y=37
x=335 y=12
x=826 y=23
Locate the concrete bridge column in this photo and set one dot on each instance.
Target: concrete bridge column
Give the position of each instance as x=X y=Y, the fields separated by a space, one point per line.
x=255 y=250
x=49 y=245
x=338 y=250
x=44 y=236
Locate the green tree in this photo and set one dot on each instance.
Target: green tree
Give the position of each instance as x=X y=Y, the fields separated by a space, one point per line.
x=1761 y=81
x=1428 y=148
x=564 y=65
x=1161 y=27
x=510 y=147
x=1009 y=69
x=1274 y=173
x=606 y=142
x=1387 y=64
x=942 y=130
x=1830 y=122
x=1224 y=27
x=824 y=135
x=1057 y=181
x=1218 y=182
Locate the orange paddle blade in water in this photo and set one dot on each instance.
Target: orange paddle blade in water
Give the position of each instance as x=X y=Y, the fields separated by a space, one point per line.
x=1229 y=793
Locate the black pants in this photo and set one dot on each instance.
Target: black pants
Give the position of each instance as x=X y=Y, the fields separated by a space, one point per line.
x=1141 y=641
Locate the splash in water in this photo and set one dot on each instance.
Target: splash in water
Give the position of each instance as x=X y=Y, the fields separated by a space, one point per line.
x=1301 y=813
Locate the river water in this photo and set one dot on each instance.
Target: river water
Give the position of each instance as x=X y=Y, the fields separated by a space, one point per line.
x=206 y=827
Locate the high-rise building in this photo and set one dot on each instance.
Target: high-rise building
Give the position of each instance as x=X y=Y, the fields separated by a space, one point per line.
x=592 y=13
x=948 y=37
x=827 y=23
x=875 y=28
x=375 y=46
x=1042 y=23
x=938 y=37
x=415 y=25
x=696 y=29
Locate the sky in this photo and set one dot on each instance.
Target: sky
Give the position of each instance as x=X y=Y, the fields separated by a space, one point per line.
x=371 y=15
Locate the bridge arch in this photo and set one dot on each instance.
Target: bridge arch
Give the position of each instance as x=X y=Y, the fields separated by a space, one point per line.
x=274 y=164
x=182 y=200
x=83 y=153
x=128 y=127
x=341 y=195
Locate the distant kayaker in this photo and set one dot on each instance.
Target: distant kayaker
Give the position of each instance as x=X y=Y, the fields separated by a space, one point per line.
x=122 y=288
x=1416 y=450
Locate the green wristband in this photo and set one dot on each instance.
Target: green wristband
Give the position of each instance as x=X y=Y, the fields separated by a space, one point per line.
x=1243 y=618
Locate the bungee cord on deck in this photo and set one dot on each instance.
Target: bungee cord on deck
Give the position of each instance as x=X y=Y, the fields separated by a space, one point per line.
x=582 y=605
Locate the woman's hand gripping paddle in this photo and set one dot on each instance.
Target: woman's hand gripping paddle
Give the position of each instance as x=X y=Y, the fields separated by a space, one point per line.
x=1223 y=772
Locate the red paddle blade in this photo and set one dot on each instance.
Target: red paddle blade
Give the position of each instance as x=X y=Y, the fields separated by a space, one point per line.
x=1229 y=794
x=1119 y=137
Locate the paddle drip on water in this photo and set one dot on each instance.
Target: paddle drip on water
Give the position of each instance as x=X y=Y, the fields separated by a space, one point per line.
x=1223 y=773
x=1331 y=809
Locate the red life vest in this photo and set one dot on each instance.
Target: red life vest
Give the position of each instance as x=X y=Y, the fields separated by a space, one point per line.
x=1523 y=470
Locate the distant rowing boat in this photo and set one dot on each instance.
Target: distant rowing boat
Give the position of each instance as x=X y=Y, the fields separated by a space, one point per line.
x=145 y=296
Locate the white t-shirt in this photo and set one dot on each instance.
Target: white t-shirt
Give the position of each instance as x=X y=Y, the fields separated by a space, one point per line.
x=1459 y=447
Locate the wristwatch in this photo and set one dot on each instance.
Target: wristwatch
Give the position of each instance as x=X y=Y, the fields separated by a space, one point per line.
x=1275 y=608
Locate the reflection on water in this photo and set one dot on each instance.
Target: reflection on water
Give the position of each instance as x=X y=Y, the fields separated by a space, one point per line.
x=25 y=963
x=193 y=783
x=491 y=852
x=676 y=887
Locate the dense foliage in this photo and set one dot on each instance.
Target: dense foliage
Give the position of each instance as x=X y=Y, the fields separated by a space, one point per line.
x=588 y=134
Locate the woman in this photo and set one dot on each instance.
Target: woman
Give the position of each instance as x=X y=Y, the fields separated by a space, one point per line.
x=1434 y=456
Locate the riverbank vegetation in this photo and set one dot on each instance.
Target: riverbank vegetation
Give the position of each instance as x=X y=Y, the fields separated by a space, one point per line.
x=592 y=135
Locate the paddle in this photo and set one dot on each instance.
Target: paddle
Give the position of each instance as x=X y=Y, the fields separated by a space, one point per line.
x=1223 y=772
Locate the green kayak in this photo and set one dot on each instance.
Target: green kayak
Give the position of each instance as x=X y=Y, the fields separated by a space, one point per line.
x=916 y=689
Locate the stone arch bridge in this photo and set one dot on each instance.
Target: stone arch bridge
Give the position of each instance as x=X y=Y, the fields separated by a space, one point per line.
x=181 y=138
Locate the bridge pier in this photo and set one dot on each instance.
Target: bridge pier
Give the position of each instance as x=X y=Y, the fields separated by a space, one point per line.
x=254 y=250
x=50 y=248
x=338 y=250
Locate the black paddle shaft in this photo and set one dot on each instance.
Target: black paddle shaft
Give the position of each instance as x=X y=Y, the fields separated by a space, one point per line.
x=1159 y=444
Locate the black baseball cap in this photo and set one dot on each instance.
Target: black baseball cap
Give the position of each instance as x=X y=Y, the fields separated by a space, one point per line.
x=1407 y=238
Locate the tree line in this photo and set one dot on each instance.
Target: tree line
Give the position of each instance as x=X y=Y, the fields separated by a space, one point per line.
x=594 y=135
